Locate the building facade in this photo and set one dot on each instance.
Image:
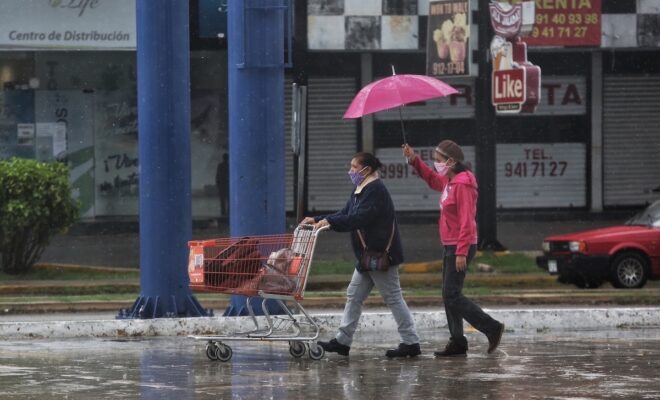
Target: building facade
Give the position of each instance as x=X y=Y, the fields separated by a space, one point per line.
x=592 y=142
x=69 y=93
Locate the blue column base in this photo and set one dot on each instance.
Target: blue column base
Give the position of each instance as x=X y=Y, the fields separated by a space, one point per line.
x=148 y=307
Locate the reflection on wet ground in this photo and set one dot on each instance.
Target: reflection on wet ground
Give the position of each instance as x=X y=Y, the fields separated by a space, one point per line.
x=588 y=365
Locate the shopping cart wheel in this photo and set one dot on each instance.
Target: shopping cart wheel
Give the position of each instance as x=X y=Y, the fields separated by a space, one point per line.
x=223 y=352
x=316 y=352
x=210 y=351
x=297 y=349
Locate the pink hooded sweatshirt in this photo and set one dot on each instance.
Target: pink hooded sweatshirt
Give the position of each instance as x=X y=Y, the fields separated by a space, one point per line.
x=458 y=206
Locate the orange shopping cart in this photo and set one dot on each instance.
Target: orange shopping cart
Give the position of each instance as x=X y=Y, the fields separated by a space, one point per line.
x=269 y=266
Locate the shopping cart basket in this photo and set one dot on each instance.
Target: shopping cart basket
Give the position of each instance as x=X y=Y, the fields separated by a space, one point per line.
x=269 y=266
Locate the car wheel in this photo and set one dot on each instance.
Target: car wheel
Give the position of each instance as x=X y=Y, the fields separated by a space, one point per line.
x=629 y=271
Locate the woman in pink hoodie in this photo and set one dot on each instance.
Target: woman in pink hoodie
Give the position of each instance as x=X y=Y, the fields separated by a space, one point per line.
x=458 y=234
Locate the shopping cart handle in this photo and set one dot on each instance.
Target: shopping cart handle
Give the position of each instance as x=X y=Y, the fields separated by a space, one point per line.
x=310 y=227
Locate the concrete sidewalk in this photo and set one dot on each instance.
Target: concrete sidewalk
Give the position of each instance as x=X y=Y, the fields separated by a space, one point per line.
x=516 y=320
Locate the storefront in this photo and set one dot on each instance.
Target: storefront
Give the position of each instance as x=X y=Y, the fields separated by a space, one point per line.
x=70 y=94
x=69 y=84
x=592 y=142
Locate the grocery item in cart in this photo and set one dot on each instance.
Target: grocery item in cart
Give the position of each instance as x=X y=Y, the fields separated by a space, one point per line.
x=278 y=276
x=234 y=265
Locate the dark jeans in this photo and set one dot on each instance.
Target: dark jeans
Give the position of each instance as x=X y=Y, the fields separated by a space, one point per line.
x=457 y=306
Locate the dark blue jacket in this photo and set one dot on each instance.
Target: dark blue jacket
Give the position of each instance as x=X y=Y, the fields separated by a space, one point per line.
x=371 y=211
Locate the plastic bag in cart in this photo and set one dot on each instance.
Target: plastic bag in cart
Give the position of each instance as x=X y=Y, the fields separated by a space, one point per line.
x=234 y=265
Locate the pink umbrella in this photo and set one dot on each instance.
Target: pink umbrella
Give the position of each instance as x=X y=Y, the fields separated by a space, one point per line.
x=396 y=91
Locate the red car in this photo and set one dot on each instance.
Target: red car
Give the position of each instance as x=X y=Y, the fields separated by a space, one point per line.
x=626 y=255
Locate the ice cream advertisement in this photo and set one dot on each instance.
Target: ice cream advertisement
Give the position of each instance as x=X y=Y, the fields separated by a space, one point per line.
x=447 y=51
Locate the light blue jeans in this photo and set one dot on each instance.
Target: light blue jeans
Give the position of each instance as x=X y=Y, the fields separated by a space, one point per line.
x=389 y=287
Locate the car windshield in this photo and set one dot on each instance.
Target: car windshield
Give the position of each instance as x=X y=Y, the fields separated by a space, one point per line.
x=650 y=216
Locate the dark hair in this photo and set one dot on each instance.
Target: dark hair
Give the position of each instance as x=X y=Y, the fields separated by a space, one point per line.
x=368 y=160
x=449 y=149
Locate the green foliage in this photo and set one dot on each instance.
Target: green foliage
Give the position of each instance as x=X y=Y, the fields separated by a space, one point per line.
x=35 y=205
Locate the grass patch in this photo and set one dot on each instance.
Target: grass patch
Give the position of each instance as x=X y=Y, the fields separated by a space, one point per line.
x=321 y=267
x=508 y=263
x=58 y=273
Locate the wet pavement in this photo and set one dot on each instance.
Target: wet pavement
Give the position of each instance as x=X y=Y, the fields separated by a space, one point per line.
x=548 y=365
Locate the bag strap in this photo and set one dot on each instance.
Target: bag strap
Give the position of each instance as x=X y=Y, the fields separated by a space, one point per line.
x=389 y=243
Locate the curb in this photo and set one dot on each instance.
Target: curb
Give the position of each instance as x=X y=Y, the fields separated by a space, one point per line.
x=78 y=267
x=539 y=320
x=522 y=299
x=422 y=267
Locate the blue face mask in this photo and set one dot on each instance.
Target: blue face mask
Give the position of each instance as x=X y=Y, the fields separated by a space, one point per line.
x=356 y=178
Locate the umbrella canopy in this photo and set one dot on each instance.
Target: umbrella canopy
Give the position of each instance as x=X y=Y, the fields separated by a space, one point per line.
x=395 y=91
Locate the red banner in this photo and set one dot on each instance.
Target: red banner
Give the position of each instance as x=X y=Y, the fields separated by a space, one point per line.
x=566 y=23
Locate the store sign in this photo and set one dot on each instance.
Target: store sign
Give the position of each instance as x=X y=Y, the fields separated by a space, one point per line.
x=516 y=82
x=560 y=95
x=532 y=175
x=509 y=92
x=67 y=25
x=409 y=192
x=448 y=39
x=528 y=175
x=563 y=95
x=566 y=23
x=509 y=21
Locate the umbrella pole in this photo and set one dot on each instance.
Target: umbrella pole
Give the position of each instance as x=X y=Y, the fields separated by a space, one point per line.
x=403 y=129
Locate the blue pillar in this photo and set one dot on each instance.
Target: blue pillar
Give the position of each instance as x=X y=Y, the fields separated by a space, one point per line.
x=163 y=67
x=256 y=43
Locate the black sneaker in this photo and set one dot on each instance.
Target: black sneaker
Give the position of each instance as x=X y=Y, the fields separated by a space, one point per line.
x=333 y=346
x=452 y=349
x=495 y=338
x=404 y=350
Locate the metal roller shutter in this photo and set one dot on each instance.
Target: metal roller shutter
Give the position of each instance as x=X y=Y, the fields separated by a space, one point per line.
x=288 y=153
x=332 y=141
x=631 y=139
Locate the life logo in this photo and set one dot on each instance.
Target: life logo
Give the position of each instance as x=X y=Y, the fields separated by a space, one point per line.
x=78 y=5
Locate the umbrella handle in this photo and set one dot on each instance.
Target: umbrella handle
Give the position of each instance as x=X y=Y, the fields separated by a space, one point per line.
x=403 y=129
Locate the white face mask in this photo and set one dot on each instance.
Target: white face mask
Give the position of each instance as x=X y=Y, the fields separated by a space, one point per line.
x=441 y=167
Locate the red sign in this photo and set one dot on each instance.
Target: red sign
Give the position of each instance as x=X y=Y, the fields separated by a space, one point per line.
x=509 y=90
x=516 y=88
x=566 y=23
